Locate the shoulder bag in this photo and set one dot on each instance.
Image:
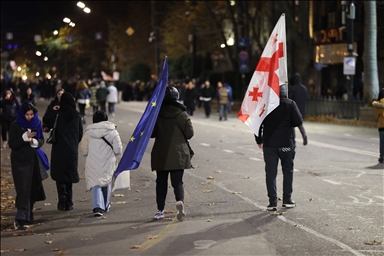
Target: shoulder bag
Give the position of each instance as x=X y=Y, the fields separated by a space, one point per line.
x=52 y=133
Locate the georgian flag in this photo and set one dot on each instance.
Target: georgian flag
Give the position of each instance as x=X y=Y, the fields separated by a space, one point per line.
x=263 y=93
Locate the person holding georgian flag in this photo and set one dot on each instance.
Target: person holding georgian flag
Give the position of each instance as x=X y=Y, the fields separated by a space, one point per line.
x=271 y=116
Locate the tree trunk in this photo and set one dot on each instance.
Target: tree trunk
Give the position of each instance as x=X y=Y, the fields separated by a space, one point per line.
x=371 y=79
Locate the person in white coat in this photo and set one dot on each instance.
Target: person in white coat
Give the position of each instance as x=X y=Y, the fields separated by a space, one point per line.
x=112 y=98
x=100 y=144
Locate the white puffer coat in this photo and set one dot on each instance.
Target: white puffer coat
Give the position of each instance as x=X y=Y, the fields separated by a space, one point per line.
x=101 y=159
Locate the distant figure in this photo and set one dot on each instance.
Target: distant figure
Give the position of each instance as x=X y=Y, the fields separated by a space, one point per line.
x=82 y=97
x=379 y=114
x=101 y=144
x=112 y=98
x=190 y=97
x=101 y=95
x=10 y=106
x=223 y=99
x=206 y=94
x=230 y=97
x=298 y=92
x=29 y=96
x=93 y=99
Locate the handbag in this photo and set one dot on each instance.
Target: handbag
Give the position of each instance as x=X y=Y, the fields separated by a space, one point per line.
x=191 y=152
x=52 y=133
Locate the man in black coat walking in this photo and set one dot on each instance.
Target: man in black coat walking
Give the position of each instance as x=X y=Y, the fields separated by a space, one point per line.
x=276 y=139
x=299 y=93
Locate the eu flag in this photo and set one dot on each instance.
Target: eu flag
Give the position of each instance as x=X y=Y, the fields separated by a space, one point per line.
x=139 y=140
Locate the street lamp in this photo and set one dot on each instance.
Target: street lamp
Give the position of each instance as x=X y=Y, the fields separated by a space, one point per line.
x=38 y=53
x=67 y=20
x=81 y=5
x=55 y=32
x=87 y=10
x=72 y=24
x=45 y=58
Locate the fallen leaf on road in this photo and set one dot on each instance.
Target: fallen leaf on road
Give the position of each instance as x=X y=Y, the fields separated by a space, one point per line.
x=119 y=202
x=237 y=193
x=46 y=204
x=217 y=171
x=19 y=250
x=86 y=238
x=374 y=242
x=208 y=220
x=137 y=199
x=118 y=195
x=278 y=213
x=4 y=218
x=350 y=228
x=210 y=178
x=211 y=182
x=7 y=250
x=48 y=241
x=137 y=190
x=82 y=200
x=209 y=204
x=151 y=237
x=62 y=252
x=10 y=197
x=207 y=191
x=300 y=225
x=246 y=177
x=38 y=209
x=136 y=247
x=311 y=199
x=55 y=249
x=134 y=227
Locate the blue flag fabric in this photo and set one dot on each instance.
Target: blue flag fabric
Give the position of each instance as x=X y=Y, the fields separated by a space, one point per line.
x=138 y=142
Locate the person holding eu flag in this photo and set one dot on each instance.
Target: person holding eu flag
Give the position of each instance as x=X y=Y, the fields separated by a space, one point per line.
x=170 y=153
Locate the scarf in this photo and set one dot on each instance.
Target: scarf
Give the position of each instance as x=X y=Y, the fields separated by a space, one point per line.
x=33 y=124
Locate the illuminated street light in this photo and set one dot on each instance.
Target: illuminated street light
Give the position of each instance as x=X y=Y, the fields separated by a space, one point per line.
x=38 y=53
x=66 y=20
x=19 y=68
x=45 y=58
x=222 y=45
x=24 y=77
x=230 y=41
x=55 y=32
x=37 y=73
x=87 y=10
x=72 y=24
x=81 y=5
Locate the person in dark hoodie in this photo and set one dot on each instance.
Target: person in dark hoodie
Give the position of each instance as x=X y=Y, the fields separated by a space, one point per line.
x=170 y=153
x=65 y=151
x=276 y=140
x=10 y=106
x=299 y=93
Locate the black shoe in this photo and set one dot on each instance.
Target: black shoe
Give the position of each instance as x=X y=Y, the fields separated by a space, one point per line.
x=381 y=160
x=108 y=207
x=272 y=207
x=289 y=203
x=98 y=212
x=61 y=203
x=305 y=140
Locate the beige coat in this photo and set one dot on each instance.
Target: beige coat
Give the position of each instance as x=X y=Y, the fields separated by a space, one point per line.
x=379 y=112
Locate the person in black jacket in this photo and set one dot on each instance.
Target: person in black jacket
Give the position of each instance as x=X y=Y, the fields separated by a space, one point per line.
x=276 y=139
x=170 y=153
x=51 y=112
x=299 y=93
x=10 y=106
x=65 y=151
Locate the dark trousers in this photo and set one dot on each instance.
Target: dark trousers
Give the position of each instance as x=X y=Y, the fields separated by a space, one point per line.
x=64 y=191
x=162 y=186
x=207 y=108
x=102 y=106
x=271 y=159
x=81 y=109
x=5 y=128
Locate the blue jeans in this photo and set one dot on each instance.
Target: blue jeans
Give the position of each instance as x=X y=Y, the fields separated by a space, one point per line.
x=101 y=196
x=223 y=111
x=271 y=159
x=381 y=136
x=111 y=107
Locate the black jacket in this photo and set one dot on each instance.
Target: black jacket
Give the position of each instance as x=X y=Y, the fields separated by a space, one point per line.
x=276 y=131
x=299 y=93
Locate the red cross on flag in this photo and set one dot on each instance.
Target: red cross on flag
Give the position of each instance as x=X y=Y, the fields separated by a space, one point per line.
x=263 y=93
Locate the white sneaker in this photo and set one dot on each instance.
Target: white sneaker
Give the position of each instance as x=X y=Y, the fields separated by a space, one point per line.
x=180 y=211
x=159 y=215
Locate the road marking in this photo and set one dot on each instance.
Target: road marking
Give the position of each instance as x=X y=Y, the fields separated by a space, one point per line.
x=311 y=231
x=205 y=144
x=165 y=232
x=256 y=159
x=332 y=182
x=361 y=173
x=228 y=151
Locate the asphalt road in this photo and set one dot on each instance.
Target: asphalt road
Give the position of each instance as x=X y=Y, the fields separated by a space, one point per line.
x=338 y=188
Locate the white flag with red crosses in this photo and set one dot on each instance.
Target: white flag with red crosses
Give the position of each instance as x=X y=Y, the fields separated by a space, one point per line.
x=263 y=93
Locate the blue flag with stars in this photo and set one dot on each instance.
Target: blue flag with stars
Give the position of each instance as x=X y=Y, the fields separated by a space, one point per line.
x=139 y=140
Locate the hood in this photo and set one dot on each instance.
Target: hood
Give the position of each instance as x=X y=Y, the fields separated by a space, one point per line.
x=283 y=91
x=98 y=130
x=171 y=109
x=295 y=79
x=9 y=89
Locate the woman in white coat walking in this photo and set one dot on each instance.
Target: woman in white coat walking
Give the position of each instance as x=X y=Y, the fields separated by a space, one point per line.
x=101 y=144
